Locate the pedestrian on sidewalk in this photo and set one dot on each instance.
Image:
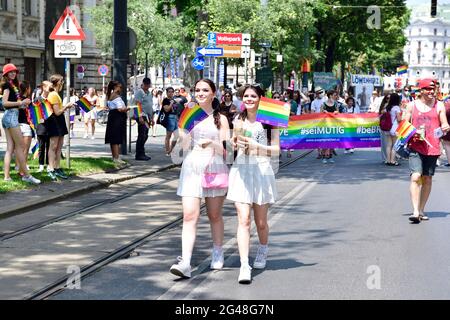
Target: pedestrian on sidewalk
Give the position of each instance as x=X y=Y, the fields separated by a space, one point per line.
x=169 y=118
x=41 y=131
x=72 y=112
x=91 y=116
x=145 y=97
x=393 y=110
x=252 y=179
x=384 y=134
x=56 y=127
x=330 y=106
x=12 y=102
x=156 y=105
x=116 y=127
x=205 y=155
x=24 y=119
x=427 y=114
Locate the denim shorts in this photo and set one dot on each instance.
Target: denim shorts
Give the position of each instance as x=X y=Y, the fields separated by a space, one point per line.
x=172 y=123
x=419 y=163
x=10 y=119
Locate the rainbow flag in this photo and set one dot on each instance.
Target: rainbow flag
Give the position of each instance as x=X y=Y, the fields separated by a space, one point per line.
x=190 y=117
x=326 y=130
x=446 y=97
x=35 y=150
x=273 y=112
x=36 y=113
x=405 y=131
x=84 y=104
x=138 y=111
x=402 y=70
x=46 y=107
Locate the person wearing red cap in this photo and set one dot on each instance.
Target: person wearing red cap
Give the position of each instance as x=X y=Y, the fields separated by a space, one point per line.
x=12 y=102
x=427 y=115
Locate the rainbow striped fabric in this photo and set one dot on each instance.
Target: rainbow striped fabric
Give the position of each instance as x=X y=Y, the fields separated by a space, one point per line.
x=273 y=112
x=84 y=104
x=402 y=69
x=190 y=117
x=405 y=131
x=35 y=150
x=138 y=111
x=326 y=130
x=39 y=112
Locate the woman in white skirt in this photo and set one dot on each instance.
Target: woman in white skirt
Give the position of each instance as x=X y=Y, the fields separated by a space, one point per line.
x=252 y=179
x=205 y=144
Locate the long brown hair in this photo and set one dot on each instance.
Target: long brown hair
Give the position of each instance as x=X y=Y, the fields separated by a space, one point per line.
x=215 y=102
x=111 y=86
x=55 y=79
x=24 y=89
x=5 y=80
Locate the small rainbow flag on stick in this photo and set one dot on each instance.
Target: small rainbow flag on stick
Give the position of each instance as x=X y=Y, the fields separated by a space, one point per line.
x=84 y=104
x=402 y=70
x=35 y=150
x=138 y=111
x=405 y=131
x=190 y=117
x=36 y=114
x=273 y=112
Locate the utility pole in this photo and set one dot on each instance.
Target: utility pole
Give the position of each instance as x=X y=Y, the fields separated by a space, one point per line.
x=121 y=53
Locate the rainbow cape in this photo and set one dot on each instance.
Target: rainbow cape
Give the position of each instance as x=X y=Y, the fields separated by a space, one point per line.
x=84 y=104
x=273 y=112
x=190 y=117
x=405 y=131
x=35 y=150
x=138 y=111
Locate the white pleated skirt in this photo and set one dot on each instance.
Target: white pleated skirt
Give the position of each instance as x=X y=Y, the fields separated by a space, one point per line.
x=194 y=165
x=252 y=180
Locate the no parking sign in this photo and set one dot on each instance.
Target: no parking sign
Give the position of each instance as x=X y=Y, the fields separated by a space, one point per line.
x=103 y=70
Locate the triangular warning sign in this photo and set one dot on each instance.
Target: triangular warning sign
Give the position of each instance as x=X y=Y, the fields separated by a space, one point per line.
x=67 y=28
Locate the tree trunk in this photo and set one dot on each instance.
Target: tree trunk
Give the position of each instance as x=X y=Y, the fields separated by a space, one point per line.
x=329 y=58
x=53 y=10
x=319 y=65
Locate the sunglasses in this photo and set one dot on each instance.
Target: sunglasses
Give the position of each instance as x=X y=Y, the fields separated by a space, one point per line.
x=428 y=89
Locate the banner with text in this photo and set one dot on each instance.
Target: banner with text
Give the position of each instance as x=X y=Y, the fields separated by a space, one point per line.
x=325 y=130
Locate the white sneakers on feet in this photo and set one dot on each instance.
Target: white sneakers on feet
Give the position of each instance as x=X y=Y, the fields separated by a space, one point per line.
x=31 y=179
x=245 y=274
x=119 y=161
x=181 y=269
x=217 y=260
x=261 y=258
x=41 y=168
x=92 y=137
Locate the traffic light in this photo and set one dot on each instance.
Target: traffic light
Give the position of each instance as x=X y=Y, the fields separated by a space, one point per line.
x=433 y=8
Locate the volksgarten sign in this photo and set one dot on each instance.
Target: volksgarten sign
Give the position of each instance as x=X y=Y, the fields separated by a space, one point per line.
x=360 y=79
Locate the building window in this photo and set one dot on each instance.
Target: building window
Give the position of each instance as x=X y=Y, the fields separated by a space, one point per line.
x=4 y=5
x=419 y=44
x=434 y=45
x=420 y=31
x=445 y=32
x=443 y=74
x=27 y=8
x=434 y=58
x=418 y=59
x=435 y=32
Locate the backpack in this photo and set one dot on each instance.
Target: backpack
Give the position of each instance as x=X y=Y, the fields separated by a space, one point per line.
x=386 y=121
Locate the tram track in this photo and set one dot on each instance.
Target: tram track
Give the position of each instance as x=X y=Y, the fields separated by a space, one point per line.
x=125 y=250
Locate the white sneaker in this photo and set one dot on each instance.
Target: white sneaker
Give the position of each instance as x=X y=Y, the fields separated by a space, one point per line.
x=85 y=136
x=72 y=134
x=92 y=138
x=352 y=150
x=181 y=269
x=324 y=160
x=261 y=257
x=331 y=160
x=217 y=260
x=31 y=179
x=245 y=274
x=41 y=168
x=346 y=151
x=119 y=161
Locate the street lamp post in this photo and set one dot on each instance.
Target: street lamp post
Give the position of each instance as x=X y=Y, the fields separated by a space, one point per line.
x=121 y=53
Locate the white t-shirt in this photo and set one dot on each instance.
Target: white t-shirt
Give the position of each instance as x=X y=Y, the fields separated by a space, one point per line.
x=394 y=111
x=316 y=105
x=72 y=99
x=117 y=103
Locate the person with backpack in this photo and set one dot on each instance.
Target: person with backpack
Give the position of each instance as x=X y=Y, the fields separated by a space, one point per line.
x=389 y=119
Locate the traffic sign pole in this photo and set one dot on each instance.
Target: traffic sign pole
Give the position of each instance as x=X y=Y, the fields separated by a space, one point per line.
x=67 y=115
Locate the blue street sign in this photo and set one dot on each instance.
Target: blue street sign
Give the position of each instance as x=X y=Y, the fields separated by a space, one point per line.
x=198 y=63
x=212 y=39
x=209 y=52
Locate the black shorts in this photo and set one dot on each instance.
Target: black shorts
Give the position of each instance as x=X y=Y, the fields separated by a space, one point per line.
x=419 y=163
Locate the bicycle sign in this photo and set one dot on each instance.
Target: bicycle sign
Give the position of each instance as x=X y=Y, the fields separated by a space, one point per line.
x=198 y=63
x=67 y=48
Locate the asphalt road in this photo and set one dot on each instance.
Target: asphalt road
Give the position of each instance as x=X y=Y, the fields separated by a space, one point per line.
x=338 y=231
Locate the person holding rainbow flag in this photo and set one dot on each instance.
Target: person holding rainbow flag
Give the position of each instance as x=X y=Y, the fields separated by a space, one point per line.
x=427 y=115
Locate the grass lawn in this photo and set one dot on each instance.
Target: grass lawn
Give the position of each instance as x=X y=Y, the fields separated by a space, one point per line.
x=79 y=166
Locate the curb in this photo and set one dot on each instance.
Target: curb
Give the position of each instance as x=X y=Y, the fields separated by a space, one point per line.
x=98 y=184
